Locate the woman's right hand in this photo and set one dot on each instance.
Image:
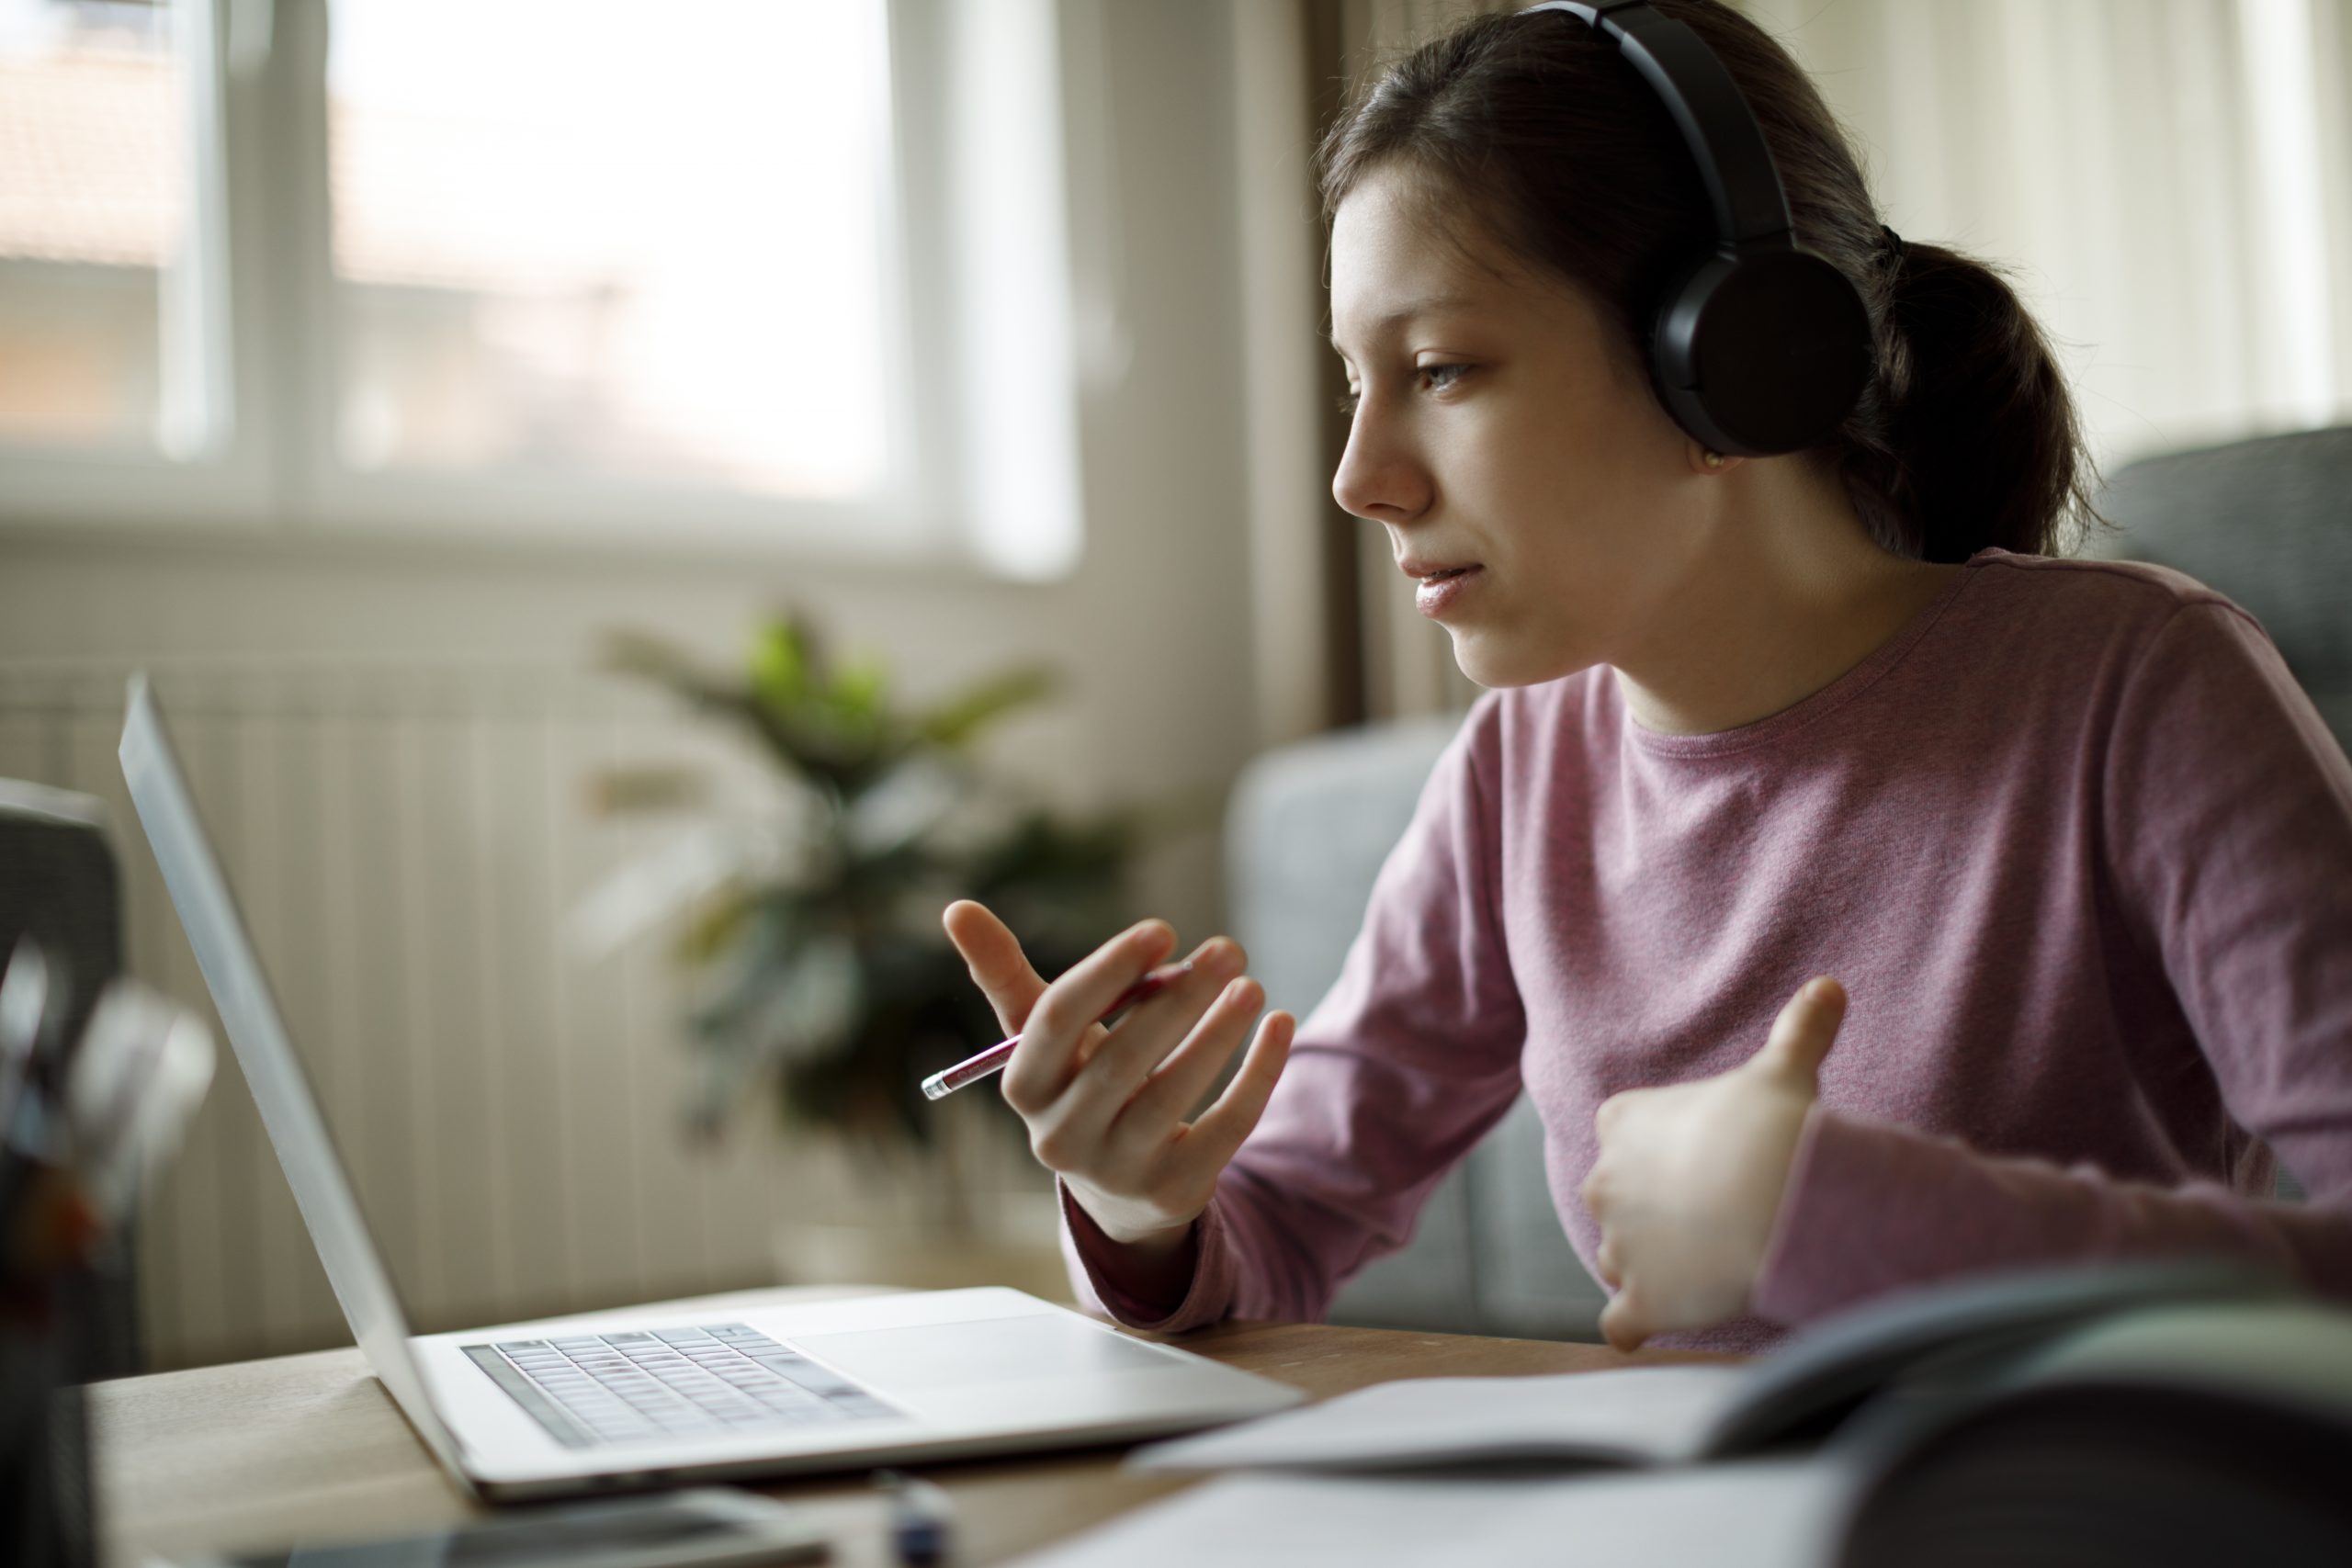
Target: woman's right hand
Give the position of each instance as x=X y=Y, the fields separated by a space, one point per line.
x=1106 y=1108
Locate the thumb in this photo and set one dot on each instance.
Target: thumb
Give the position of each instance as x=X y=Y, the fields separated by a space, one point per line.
x=1803 y=1033
x=993 y=954
x=1624 y=1323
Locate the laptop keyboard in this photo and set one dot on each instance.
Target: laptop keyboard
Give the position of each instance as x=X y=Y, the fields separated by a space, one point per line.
x=698 y=1383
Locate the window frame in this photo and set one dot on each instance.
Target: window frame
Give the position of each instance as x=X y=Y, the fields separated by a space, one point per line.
x=258 y=90
x=225 y=484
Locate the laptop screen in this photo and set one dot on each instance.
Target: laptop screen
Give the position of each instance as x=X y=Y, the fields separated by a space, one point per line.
x=256 y=1032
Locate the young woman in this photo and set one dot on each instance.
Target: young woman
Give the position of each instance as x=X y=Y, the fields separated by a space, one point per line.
x=2074 y=847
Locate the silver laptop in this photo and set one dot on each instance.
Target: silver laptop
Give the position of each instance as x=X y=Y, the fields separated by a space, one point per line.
x=646 y=1396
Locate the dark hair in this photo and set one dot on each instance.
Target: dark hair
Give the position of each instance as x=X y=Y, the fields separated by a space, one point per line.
x=1965 y=437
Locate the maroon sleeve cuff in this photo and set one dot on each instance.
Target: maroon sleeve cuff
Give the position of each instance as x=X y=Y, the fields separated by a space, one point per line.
x=1781 y=1290
x=1874 y=1207
x=1093 y=1260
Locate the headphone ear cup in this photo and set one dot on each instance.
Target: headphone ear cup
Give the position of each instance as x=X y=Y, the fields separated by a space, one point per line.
x=1763 y=354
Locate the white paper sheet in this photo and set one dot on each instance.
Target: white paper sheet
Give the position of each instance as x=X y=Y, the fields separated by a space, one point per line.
x=1745 y=1514
x=1645 y=1414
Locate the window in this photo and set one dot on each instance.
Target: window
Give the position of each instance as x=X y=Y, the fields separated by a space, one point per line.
x=787 y=271
x=102 y=325
x=557 y=246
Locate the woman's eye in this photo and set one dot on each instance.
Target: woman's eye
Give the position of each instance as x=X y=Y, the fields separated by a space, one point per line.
x=1433 y=377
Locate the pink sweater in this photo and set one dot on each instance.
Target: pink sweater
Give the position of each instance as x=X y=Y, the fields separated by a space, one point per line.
x=2080 y=849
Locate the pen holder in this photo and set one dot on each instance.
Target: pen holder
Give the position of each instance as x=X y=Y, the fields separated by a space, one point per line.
x=46 y=1518
x=80 y=1124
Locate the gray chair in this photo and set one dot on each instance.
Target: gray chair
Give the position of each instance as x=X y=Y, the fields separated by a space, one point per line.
x=1309 y=826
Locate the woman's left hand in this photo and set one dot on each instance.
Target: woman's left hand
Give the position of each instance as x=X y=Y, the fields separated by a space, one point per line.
x=1689 y=1177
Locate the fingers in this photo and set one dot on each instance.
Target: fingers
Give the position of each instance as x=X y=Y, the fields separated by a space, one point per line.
x=1062 y=1014
x=1625 y=1322
x=1803 y=1033
x=1168 y=1095
x=1213 y=1138
x=1202 y=1002
x=993 y=955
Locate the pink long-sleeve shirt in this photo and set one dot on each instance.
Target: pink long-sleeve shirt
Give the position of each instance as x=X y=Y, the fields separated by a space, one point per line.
x=2073 y=840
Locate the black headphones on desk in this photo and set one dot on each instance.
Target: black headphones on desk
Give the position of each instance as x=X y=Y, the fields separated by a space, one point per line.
x=1759 y=347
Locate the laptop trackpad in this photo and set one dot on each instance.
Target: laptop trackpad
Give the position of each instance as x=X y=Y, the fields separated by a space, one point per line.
x=998 y=1349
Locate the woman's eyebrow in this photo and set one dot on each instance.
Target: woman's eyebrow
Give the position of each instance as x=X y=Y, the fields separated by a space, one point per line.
x=1426 y=305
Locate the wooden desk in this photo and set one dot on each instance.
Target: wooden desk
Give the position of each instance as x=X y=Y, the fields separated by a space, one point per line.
x=311 y=1448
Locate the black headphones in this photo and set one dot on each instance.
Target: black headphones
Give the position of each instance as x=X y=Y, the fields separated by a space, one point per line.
x=1759 y=347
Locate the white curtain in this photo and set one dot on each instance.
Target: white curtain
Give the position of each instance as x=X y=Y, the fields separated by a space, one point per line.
x=2173 y=179
x=2169 y=181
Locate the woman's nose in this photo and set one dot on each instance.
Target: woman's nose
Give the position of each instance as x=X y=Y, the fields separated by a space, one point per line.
x=1379 y=479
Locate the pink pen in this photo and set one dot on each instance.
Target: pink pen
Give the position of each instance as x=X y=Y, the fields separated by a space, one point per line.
x=993 y=1060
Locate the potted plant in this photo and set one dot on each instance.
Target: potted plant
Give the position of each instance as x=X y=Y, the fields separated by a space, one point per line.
x=821 y=982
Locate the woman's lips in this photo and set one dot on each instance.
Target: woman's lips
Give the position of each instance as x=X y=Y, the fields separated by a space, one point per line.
x=1443 y=589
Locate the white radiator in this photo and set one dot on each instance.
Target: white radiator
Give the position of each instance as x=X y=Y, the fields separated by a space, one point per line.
x=404 y=843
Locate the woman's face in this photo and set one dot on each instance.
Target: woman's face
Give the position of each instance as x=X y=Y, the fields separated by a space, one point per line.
x=1494 y=440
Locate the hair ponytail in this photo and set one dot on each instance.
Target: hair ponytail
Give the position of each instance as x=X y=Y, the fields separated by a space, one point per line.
x=1966 y=438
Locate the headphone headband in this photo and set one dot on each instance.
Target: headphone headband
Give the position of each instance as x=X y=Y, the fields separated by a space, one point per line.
x=1759 y=347
x=1743 y=185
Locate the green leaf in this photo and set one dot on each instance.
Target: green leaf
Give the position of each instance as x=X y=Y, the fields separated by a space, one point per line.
x=638 y=653
x=715 y=928
x=954 y=722
x=781 y=664
x=858 y=692
x=614 y=791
